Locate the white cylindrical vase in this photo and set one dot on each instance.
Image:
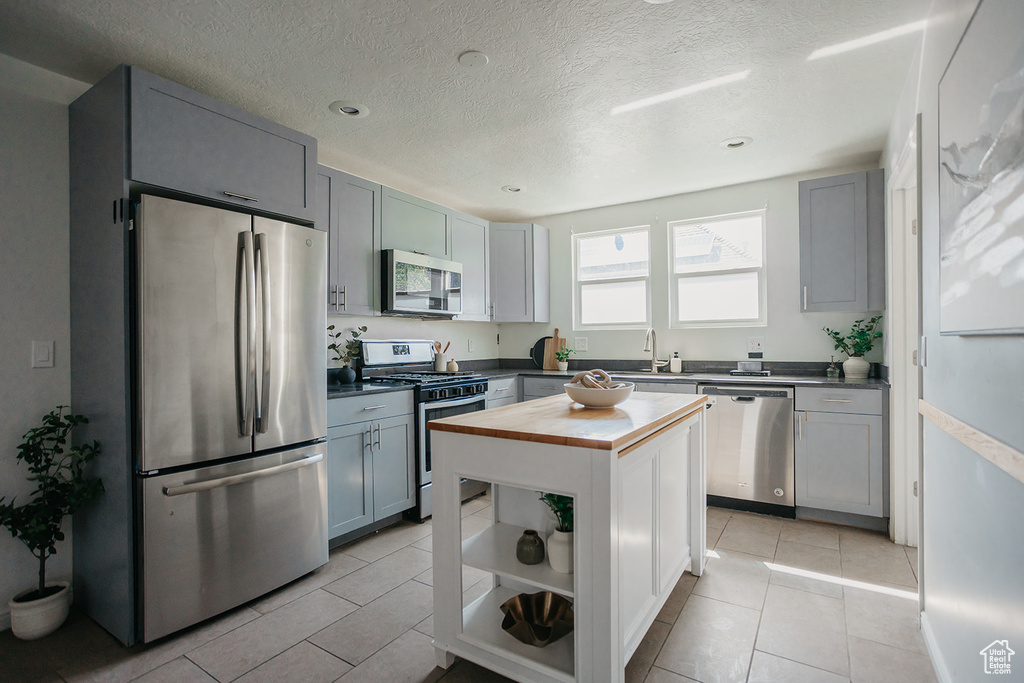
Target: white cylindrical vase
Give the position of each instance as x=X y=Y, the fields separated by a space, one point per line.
x=855 y=367
x=559 y=551
x=38 y=618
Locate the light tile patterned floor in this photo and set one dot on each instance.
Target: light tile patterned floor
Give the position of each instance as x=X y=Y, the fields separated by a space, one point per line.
x=781 y=600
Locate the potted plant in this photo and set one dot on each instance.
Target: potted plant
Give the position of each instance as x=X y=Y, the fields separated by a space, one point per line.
x=858 y=342
x=562 y=356
x=61 y=488
x=559 y=546
x=345 y=351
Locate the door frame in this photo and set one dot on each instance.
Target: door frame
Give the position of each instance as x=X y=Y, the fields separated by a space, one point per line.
x=904 y=307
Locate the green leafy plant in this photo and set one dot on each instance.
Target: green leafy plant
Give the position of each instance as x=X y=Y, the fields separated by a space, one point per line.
x=562 y=354
x=348 y=350
x=61 y=487
x=562 y=507
x=861 y=338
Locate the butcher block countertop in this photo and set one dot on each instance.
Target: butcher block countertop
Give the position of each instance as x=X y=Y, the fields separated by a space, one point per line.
x=561 y=421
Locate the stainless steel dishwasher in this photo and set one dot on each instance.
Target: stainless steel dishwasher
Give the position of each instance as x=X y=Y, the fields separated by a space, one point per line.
x=750 y=447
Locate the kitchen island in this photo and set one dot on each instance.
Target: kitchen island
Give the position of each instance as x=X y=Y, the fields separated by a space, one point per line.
x=636 y=475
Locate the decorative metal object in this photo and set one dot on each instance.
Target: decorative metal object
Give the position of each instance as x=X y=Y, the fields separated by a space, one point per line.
x=537 y=619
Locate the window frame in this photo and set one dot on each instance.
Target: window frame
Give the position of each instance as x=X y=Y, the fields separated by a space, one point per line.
x=762 y=271
x=577 y=284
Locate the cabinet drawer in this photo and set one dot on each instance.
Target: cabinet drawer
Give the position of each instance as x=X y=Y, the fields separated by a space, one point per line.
x=186 y=141
x=499 y=402
x=668 y=387
x=537 y=387
x=500 y=388
x=349 y=409
x=858 y=401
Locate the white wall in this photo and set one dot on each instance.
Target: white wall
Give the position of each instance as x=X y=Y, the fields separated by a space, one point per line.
x=34 y=285
x=973 y=517
x=790 y=335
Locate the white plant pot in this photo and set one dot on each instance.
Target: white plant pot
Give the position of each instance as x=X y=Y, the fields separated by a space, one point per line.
x=563 y=366
x=560 y=551
x=38 y=618
x=855 y=367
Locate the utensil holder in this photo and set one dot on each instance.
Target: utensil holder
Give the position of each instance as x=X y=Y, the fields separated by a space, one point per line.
x=439 y=362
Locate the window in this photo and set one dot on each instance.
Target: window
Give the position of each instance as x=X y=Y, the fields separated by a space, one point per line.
x=612 y=278
x=717 y=271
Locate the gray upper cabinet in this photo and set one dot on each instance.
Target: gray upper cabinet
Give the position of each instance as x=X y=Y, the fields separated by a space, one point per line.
x=842 y=243
x=189 y=142
x=349 y=209
x=520 y=282
x=470 y=248
x=413 y=224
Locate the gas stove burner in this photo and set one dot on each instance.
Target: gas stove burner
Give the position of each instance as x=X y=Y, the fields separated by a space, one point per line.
x=427 y=377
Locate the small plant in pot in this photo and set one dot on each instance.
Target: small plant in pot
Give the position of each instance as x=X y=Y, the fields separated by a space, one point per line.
x=345 y=351
x=562 y=356
x=559 y=545
x=58 y=471
x=858 y=342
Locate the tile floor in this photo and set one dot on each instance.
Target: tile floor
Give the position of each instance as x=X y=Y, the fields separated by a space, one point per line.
x=781 y=600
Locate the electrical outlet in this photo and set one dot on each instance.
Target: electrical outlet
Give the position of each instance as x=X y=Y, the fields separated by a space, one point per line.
x=471 y=346
x=579 y=344
x=755 y=344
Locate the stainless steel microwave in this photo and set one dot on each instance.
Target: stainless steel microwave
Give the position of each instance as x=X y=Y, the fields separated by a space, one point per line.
x=420 y=285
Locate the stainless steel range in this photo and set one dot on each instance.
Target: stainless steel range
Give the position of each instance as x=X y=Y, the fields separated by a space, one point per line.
x=436 y=395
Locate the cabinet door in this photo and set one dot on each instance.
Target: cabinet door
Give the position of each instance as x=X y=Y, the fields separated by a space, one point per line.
x=839 y=462
x=539 y=387
x=469 y=247
x=667 y=387
x=349 y=478
x=349 y=209
x=413 y=224
x=394 y=474
x=511 y=272
x=186 y=141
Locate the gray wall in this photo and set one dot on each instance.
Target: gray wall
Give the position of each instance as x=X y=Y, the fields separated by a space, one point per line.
x=973 y=543
x=34 y=285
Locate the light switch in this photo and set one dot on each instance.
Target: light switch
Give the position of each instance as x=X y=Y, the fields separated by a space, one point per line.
x=42 y=354
x=755 y=345
x=471 y=346
x=579 y=344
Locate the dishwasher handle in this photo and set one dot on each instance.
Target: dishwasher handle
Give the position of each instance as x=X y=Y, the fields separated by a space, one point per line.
x=747 y=393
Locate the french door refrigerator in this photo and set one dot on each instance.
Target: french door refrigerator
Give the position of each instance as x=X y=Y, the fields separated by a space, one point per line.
x=230 y=483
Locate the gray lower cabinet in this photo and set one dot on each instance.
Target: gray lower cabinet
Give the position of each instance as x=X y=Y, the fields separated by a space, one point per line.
x=667 y=387
x=413 y=224
x=842 y=243
x=539 y=387
x=470 y=248
x=519 y=273
x=502 y=391
x=189 y=142
x=349 y=209
x=841 y=459
x=370 y=469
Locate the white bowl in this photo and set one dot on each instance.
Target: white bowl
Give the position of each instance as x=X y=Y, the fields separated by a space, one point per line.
x=599 y=398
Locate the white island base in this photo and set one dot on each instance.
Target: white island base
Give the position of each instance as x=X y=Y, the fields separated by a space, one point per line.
x=636 y=473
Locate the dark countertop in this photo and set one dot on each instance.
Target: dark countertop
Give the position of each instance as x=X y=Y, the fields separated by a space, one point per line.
x=364 y=388
x=713 y=378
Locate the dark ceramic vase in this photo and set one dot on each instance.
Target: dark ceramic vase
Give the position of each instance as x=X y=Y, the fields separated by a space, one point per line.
x=530 y=548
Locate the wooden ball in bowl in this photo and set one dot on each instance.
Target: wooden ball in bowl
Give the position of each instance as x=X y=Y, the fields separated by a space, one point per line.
x=599 y=398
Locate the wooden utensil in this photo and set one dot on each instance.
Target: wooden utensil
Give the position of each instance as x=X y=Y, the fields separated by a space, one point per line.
x=446 y=347
x=551 y=346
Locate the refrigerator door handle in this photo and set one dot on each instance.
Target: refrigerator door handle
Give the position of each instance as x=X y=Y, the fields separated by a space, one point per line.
x=245 y=367
x=221 y=482
x=263 y=263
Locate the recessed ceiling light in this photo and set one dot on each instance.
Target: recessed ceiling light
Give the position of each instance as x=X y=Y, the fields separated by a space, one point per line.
x=735 y=143
x=348 y=109
x=473 y=59
x=512 y=189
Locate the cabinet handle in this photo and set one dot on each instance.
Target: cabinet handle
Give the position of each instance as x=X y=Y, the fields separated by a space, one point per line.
x=336 y=297
x=492 y=310
x=837 y=400
x=369 y=439
x=241 y=196
x=503 y=390
x=377 y=442
x=805 y=297
x=374 y=407
x=800 y=426
x=344 y=298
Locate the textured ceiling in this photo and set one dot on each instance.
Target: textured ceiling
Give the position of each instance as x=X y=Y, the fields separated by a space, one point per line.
x=539 y=114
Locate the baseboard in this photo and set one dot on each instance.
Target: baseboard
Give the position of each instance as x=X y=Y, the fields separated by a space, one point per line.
x=938 y=663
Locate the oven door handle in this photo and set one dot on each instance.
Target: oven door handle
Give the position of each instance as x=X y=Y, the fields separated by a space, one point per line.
x=453 y=403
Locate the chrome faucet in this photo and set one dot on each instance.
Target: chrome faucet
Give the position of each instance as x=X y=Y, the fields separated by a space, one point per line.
x=651 y=344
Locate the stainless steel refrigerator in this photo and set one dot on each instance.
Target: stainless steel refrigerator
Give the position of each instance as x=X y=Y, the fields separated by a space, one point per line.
x=229 y=409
